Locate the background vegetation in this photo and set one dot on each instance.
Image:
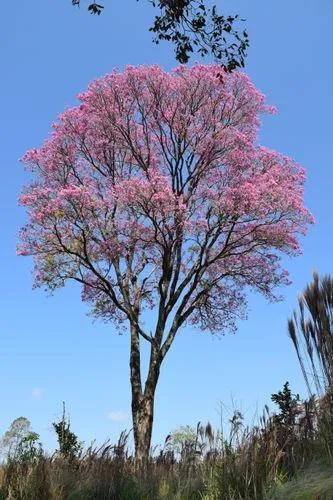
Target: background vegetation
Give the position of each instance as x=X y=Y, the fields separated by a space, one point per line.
x=285 y=455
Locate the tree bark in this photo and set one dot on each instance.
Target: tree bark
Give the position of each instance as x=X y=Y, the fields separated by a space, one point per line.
x=142 y=413
x=142 y=400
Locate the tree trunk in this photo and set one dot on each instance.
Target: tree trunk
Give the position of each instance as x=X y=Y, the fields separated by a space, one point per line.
x=142 y=400
x=142 y=412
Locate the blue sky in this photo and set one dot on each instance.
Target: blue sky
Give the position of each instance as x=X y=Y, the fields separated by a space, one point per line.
x=50 y=350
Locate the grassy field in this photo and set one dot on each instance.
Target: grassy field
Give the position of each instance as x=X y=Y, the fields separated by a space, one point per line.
x=287 y=455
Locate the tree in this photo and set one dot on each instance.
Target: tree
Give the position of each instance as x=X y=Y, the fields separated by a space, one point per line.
x=20 y=443
x=311 y=331
x=190 y=25
x=289 y=406
x=187 y=443
x=154 y=195
x=69 y=445
x=290 y=425
x=19 y=429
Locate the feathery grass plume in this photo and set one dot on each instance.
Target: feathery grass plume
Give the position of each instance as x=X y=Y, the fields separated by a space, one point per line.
x=311 y=331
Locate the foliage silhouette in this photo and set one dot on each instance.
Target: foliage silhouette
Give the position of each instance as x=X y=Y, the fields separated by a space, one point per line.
x=192 y=26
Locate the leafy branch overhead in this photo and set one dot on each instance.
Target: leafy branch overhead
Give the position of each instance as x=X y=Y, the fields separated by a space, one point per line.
x=191 y=26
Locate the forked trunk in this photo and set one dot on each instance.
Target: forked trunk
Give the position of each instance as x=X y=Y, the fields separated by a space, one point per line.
x=142 y=400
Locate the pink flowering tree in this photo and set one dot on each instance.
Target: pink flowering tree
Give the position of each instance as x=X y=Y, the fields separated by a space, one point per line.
x=154 y=195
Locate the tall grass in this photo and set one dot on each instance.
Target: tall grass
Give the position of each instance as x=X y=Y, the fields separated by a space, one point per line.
x=248 y=463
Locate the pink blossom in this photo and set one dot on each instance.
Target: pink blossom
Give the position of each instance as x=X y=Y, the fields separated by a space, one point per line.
x=155 y=184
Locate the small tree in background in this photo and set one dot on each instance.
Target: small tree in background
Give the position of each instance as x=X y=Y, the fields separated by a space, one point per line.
x=311 y=331
x=18 y=430
x=289 y=406
x=154 y=195
x=184 y=443
x=20 y=443
x=69 y=445
x=187 y=444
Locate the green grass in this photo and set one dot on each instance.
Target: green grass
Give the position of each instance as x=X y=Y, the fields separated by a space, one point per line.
x=315 y=483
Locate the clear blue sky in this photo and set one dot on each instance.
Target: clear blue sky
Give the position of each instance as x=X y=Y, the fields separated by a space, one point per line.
x=50 y=350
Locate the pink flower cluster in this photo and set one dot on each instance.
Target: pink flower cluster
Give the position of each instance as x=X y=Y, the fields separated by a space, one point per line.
x=154 y=171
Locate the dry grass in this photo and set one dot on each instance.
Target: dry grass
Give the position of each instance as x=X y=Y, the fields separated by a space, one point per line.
x=250 y=463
